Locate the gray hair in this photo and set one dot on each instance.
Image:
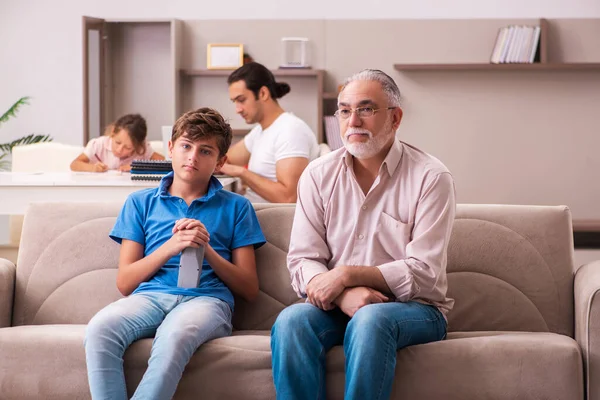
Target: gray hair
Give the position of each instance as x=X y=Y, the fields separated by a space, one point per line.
x=387 y=84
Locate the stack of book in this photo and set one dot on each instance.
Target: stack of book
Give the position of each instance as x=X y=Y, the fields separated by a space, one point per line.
x=517 y=44
x=150 y=170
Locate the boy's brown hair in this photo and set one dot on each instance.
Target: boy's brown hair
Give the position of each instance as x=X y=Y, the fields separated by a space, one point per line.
x=203 y=123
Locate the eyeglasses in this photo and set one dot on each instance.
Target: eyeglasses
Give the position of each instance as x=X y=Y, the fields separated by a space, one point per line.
x=361 y=112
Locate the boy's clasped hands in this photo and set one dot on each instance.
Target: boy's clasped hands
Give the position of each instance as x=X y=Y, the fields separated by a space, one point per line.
x=187 y=232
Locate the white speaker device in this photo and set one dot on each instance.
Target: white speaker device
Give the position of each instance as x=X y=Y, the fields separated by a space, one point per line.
x=190 y=267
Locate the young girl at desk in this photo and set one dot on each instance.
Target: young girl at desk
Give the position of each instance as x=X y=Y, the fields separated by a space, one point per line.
x=124 y=141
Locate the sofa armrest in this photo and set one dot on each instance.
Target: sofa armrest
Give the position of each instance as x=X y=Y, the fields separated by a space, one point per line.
x=587 y=324
x=7 y=291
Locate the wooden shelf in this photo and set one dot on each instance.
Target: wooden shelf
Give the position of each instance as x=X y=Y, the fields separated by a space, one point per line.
x=586 y=225
x=330 y=95
x=499 y=67
x=277 y=72
x=139 y=20
x=542 y=65
x=586 y=234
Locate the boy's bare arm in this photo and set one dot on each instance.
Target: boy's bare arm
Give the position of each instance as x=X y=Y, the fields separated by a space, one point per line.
x=240 y=275
x=134 y=268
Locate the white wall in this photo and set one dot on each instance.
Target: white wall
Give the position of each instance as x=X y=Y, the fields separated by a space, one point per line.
x=42 y=41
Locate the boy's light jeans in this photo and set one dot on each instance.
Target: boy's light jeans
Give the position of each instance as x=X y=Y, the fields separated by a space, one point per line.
x=180 y=325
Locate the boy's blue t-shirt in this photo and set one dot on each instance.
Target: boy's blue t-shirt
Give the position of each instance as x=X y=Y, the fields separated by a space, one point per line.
x=149 y=215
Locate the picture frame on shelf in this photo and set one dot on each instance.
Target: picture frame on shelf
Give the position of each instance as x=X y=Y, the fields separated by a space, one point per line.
x=224 y=55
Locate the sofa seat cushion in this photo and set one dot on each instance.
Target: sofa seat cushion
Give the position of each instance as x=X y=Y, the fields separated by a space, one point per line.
x=50 y=359
x=43 y=362
x=468 y=365
x=480 y=365
x=48 y=362
x=234 y=367
x=491 y=365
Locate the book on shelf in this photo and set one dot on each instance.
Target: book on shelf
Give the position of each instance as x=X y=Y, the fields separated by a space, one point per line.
x=516 y=44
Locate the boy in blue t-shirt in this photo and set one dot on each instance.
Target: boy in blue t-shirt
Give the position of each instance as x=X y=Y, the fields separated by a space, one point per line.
x=188 y=209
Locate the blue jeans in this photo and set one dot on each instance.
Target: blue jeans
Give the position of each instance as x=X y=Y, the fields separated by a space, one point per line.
x=180 y=325
x=302 y=335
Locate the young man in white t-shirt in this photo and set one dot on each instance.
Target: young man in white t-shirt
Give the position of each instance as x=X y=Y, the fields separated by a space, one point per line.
x=278 y=148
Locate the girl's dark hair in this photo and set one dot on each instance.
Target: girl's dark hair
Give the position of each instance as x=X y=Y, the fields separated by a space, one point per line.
x=135 y=125
x=256 y=76
x=203 y=123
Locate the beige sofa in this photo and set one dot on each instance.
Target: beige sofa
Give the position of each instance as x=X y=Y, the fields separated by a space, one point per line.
x=525 y=325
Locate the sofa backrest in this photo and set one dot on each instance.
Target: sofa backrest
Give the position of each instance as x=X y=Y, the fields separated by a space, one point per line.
x=67 y=265
x=509 y=267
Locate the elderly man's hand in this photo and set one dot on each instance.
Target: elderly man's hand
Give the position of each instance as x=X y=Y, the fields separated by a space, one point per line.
x=353 y=299
x=324 y=288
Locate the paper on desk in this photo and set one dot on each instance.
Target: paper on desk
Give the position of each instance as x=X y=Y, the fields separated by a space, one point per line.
x=109 y=172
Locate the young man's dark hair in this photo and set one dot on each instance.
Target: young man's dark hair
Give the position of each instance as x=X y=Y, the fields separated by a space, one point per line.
x=256 y=76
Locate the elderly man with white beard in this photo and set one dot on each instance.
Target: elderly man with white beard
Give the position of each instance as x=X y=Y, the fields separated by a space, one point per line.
x=368 y=251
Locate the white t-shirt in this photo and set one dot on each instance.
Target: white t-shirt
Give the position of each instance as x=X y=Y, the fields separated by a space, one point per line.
x=288 y=136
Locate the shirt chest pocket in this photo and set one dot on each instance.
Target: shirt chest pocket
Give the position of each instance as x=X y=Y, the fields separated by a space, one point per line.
x=392 y=236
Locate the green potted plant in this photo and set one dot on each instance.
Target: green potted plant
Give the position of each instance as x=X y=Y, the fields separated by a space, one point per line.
x=6 y=148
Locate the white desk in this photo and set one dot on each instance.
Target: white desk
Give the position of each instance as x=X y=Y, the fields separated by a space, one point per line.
x=18 y=189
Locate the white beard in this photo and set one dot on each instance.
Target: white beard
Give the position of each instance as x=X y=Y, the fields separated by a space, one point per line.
x=370 y=148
